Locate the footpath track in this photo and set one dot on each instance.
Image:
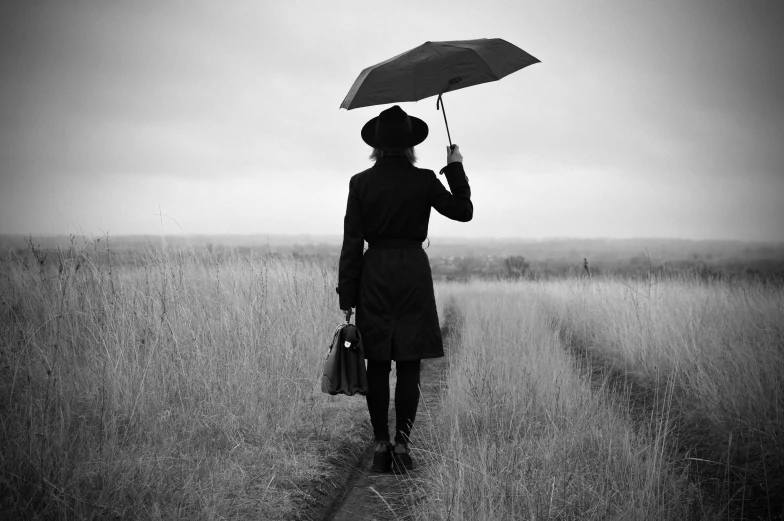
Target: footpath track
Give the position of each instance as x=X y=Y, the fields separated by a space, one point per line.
x=367 y=496
x=738 y=494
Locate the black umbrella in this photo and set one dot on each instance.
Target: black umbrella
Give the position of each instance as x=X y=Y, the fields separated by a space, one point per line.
x=434 y=68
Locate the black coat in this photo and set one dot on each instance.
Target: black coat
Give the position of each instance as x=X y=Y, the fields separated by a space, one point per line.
x=391 y=285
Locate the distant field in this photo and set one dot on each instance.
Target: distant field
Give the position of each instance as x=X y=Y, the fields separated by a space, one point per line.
x=183 y=384
x=456 y=258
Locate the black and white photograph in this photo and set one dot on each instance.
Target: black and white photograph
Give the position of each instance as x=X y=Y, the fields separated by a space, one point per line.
x=299 y=260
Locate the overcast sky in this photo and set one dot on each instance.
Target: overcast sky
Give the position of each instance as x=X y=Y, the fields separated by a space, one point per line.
x=644 y=119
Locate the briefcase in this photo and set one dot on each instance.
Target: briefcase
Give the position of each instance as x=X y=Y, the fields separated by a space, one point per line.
x=344 y=368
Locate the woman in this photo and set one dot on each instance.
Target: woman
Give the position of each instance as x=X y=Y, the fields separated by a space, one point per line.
x=391 y=285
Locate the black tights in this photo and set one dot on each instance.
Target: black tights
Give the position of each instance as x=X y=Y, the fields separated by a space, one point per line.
x=406 y=398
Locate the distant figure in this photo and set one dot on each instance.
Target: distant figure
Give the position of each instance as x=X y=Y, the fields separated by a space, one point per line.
x=585 y=265
x=391 y=285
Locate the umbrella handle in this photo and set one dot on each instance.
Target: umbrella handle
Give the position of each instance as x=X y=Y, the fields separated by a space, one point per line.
x=440 y=106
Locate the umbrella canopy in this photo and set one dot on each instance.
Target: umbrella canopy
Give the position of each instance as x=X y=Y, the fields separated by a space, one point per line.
x=434 y=68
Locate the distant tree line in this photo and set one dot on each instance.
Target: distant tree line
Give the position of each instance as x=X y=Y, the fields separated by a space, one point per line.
x=516 y=267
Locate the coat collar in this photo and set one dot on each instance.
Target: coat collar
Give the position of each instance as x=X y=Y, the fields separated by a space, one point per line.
x=393 y=160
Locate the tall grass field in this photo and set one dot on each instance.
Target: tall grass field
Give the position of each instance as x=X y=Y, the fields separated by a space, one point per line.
x=172 y=386
x=610 y=399
x=185 y=384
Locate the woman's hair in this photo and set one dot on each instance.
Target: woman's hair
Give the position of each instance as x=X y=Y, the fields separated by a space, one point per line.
x=408 y=153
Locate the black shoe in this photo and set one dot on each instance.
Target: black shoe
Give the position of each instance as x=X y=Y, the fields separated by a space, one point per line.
x=382 y=458
x=401 y=461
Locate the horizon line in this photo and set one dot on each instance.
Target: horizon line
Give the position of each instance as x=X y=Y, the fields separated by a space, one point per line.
x=339 y=236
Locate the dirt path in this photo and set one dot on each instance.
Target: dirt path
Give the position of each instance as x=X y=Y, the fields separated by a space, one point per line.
x=367 y=496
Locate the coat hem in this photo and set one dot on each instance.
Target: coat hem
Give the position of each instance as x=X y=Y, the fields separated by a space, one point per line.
x=423 y=357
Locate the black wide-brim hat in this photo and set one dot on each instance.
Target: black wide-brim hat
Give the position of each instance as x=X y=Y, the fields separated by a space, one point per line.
x=393 y=129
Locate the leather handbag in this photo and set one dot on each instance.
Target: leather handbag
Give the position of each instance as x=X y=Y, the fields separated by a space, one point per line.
x=344 y=368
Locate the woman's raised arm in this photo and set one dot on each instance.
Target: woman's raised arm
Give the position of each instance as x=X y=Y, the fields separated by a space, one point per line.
x=456 y=205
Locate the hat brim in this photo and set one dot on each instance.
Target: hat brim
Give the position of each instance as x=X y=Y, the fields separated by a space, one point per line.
x=419 y=133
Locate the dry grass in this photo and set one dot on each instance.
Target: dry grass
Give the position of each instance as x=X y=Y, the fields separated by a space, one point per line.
x=179 y=387
x=187 y=386
x=520 y=435
x=720 y=346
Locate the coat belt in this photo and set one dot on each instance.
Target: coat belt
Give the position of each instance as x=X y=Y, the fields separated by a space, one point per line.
x=387 y=244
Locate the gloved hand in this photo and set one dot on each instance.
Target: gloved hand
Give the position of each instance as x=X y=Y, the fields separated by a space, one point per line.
x=348 y=313
x=453 y=155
